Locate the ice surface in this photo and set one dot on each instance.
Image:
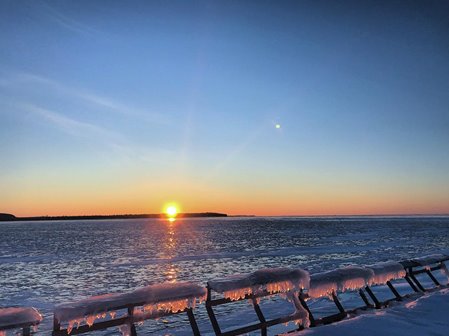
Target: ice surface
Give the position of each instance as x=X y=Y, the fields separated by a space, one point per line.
x=431 y=259
x=351 y=277
x=198 y=250
x=20 y=315
x=386 y=271
x=426 y=315
x=272 y=279
x=170 y=297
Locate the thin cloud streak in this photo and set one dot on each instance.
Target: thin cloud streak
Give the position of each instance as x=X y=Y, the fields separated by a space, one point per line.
x=113 y=140
x=87 y=97
x=67 y=22
x=69 y=125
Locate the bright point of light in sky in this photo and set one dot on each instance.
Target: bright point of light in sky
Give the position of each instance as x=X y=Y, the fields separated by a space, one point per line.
x=278 y=126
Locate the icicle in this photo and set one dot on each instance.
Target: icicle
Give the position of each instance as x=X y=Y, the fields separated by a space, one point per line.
x=90 y=320
x=381 y=279
x=237 y=294
x=70 y=326
x=325 y=289
x=283 y=286
x=352 y=284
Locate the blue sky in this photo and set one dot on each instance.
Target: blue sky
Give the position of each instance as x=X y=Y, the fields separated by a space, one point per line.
x=112 y=107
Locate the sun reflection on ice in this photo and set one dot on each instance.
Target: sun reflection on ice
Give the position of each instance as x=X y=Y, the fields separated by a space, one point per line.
x=170 y=247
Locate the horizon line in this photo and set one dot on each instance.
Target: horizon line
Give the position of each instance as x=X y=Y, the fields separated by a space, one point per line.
x=237 y=215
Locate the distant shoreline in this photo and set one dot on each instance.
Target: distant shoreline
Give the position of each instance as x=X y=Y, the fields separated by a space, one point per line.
x=5 y=217
x=11 y=218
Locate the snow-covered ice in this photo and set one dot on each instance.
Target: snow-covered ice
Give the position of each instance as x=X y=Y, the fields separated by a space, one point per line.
x=425 y=315
x=44 y=264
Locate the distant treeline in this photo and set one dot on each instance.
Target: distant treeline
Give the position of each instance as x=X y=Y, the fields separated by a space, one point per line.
x=9 y=217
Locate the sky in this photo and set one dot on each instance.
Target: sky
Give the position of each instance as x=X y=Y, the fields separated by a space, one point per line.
x=112 y=107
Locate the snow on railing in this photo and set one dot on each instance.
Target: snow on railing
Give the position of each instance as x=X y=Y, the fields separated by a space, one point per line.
x=431 y=259
x=18 y=316
x=272 y=280
x=426 y=261
x=386 y=271
x=283 y=280
x=339 y=280
x=166 y=297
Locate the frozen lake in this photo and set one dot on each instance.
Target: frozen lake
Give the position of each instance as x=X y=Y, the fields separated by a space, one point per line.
x=47 y=263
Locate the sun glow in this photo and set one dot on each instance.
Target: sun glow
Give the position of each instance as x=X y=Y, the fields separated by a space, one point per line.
x=171 y=211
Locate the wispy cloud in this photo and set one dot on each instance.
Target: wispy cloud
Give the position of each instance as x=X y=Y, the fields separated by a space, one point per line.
x=65 y=21
x=114 y=141
x=72 y=126
x=86 y=96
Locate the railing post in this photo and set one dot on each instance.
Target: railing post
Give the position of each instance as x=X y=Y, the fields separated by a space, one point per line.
x=193 y=324
x=132 y=327
x=395 y=292
x=373 y=297
x=210 y=312
x=26 y=331
x=364 y=298
x=410 y=282
x=306 y=307
x=337 y=302
x=435 y=281
x=416 y=281
x=56 y=325
x=263 y=329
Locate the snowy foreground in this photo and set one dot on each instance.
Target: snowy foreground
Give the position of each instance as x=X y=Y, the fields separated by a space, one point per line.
x=425 y=315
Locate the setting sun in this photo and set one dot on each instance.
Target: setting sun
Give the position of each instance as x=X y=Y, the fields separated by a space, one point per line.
x=171 y=211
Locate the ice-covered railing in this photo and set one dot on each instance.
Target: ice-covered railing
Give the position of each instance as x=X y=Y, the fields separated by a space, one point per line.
x=386 y=271
x=339 y=280
x=18 y=317
x=264 y=282
x=272 y=280
x=166 y=297
x=431 y=259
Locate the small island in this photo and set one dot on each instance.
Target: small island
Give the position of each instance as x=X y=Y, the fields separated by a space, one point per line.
x=5 y=217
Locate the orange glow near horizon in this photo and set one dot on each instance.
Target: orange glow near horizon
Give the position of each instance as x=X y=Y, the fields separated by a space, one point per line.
x=265 y=200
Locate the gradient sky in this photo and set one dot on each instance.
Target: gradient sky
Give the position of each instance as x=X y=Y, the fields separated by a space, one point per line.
x=110 y=107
